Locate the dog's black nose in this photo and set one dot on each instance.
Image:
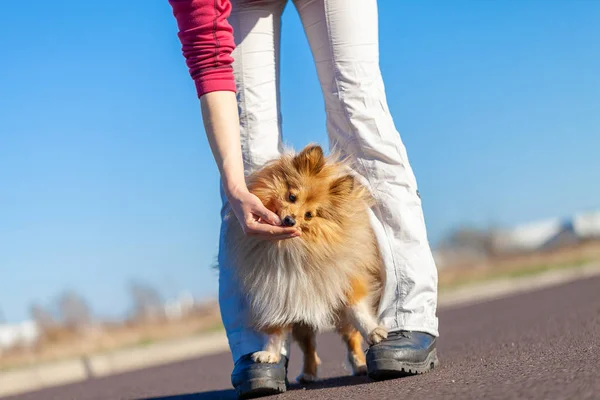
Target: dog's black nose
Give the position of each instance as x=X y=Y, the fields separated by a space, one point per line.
x=289 y=221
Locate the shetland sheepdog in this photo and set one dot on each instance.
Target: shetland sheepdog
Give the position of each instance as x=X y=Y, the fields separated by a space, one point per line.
x=330 y=276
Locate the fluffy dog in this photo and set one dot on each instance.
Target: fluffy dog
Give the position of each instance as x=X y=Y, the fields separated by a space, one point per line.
x=329 y=276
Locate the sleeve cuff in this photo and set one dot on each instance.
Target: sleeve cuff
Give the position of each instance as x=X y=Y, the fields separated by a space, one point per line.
x=207 y=86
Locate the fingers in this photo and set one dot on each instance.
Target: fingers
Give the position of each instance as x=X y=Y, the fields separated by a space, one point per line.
x=280 y=237
x=270 y=231
x=266 y=215
x=258 y=221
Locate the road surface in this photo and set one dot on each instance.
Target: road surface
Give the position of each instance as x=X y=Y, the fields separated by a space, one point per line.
x=538 y=345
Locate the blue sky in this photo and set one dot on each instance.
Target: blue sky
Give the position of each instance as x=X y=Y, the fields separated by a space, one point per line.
x=106 y=175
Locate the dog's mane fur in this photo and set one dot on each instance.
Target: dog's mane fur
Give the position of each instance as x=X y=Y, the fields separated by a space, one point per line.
x=307 y=279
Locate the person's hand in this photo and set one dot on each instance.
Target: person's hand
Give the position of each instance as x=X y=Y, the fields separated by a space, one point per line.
x=256 y=219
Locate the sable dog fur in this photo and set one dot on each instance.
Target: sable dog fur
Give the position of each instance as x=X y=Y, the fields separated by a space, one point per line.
x=331 y=275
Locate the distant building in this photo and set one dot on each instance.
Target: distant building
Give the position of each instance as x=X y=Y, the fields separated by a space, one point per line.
x=529 y=237
x=25 y=334
x=549 y=234
x=474 y=247
x=587 y=225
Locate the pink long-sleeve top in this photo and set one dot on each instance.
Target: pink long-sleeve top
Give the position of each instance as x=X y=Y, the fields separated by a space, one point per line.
x=207 y=42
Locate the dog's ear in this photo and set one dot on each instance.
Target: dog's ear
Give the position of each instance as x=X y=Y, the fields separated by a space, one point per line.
x=343 y=186
x=310 y=160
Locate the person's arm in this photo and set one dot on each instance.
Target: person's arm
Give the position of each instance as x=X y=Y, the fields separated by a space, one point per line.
x=219 y=112
x=207 y=42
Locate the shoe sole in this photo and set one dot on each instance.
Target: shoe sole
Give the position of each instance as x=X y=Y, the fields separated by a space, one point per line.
x=382 y=369
x=254 y=388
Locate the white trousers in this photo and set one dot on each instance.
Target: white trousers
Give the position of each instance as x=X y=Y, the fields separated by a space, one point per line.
x=343 y=37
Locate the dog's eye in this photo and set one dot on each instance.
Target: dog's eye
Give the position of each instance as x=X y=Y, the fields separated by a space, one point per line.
x=292 y=197
x=308 y=215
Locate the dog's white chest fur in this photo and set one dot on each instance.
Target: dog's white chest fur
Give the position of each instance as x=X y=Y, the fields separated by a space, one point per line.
x=285 y=289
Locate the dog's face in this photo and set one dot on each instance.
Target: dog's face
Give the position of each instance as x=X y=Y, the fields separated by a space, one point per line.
x=305 y=191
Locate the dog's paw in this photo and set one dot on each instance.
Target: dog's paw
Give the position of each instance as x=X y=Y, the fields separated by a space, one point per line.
x=377 y=335
x=306 y=378
x=266 y=357
x=359 y=370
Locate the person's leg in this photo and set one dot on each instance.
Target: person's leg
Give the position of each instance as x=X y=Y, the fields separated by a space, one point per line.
x=256 y=28
x=343 y=36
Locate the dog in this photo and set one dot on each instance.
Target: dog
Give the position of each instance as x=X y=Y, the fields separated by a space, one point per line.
x=330 y=276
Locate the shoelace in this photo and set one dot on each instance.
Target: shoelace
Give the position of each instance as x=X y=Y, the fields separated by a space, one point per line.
x=396 y=334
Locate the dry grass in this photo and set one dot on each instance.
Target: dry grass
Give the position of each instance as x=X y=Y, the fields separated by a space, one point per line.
x=520 y=265
x=62 y=344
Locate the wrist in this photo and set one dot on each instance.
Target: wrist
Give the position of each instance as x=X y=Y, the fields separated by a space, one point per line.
x=234 y=189
x=232 y=174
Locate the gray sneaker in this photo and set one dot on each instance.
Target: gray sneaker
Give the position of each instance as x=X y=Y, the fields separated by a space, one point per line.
x=251 y=379
x=403 y=353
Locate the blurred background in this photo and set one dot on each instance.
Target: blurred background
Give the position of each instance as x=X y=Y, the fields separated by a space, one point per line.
x=109 y=203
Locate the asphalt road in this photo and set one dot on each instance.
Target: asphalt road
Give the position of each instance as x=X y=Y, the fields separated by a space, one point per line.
x=538 y=345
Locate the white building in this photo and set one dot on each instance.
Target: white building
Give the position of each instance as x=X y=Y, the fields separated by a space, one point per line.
x=587 y=225
x=549 y=233
x=529 y=237
x=534 y=236
x=25 y=333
